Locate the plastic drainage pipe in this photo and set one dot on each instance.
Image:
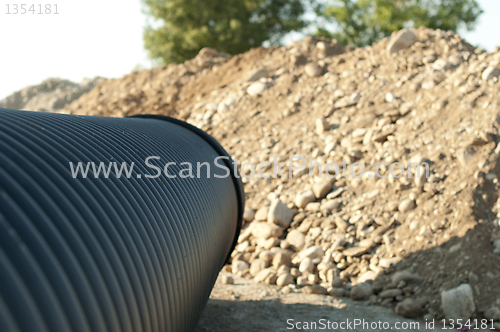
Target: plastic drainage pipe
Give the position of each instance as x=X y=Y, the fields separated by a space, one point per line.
x=122 y=253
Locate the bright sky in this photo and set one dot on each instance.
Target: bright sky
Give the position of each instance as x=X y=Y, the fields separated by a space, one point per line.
x=104 y=38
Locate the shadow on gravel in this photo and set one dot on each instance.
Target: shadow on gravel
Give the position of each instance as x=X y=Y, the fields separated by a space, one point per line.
x=221 y=315
x=468 y=259
x=273 y=315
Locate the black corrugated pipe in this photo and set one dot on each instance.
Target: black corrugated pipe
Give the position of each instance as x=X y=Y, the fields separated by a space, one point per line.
x=129 y=253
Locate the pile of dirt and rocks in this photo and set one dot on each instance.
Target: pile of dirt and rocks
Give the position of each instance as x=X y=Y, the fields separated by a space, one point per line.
x=426 y=246
x=49 y=96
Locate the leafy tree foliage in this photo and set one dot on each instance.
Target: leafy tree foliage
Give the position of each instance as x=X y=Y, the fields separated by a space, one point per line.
x=183 y=27
x=364 y=22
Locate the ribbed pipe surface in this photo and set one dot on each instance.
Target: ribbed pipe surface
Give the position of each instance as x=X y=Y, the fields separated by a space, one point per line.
x=109 y=254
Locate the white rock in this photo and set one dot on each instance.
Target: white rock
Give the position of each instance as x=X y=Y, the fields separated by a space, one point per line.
x=490 y=73
x=302 y=281
x=401 y=40
x=208 y=115
x=313 y=279
x=245 y=234
x=441 y=64
x=313 y=207
x=296 y=238
x=345 y=102
x=325 y=266
x=321 y=189
x=282 y=258
x=265 y=230
x=313 y=233
x=429 y=59
x=367 y=138
x=256 y=88
x=285 y=279
x=341 y=223
x=306 y=265
x=312 y=253
x=329 y=206
x=261 y=214
x=389 y=97
x=280 y=214
x=496 y=246
x=242 y=246
x=228 y=104
x=321 y=126
x=361 y=291
x=456 y=59
x=464 y=156
x=490 y=176
x=330 y=147
x=458 y=303
x=248 y=214
x=267 y=256
x=257 y=265
x=417 y=159
x=406 y=205
x=368 y=275
x=223 y=108
x=304 y=197
x=386 y=262
x=257 y=74
x=239 y=266
x=406 y=108
x=492 y=313
x=232 y=100
x=429 y=84
x=335 y=193
x=211 y=107
x=420 y=176
x=406 y=276
x=356 y=251
x=337 y=292
x=409 y=308
x=263 y=275
x=390 y=293
x=321 y=45
x=313 y=70
x=358 y=132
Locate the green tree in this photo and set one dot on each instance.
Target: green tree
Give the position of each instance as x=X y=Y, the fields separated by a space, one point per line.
x=364 y=22
x=183 y=27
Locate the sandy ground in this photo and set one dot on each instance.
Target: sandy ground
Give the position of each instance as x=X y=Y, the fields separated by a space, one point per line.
x=247 y=306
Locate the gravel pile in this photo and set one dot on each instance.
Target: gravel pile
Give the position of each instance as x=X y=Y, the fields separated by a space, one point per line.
x=51 y=95
x=427 y=246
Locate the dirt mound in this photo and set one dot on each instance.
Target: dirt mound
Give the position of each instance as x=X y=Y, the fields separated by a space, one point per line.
x=49 y=96
x=155 y=91
x=422 y=97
